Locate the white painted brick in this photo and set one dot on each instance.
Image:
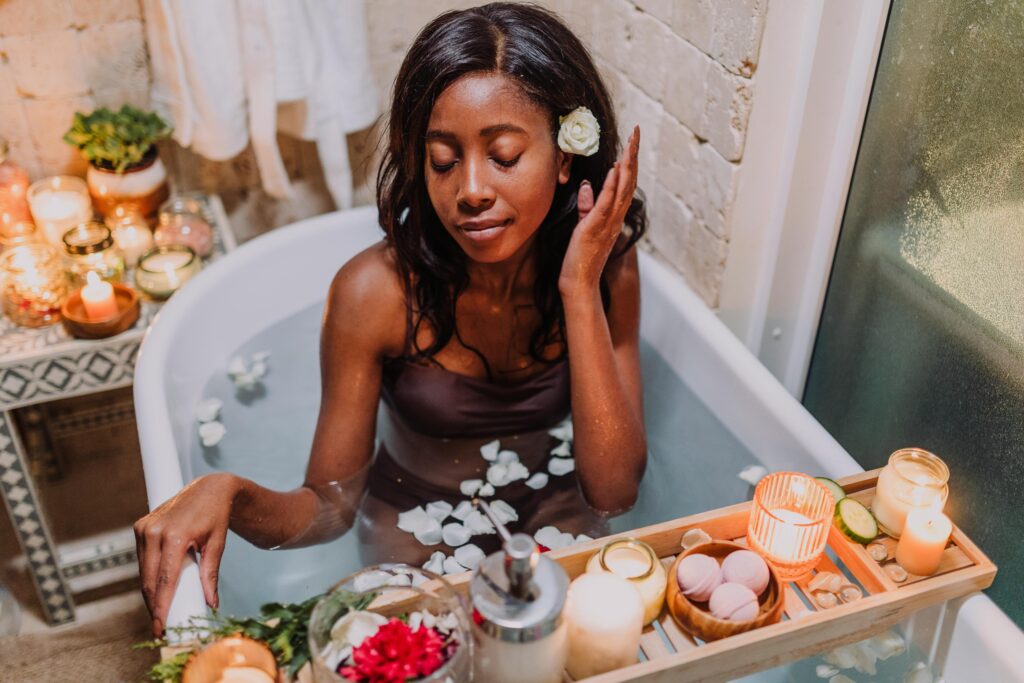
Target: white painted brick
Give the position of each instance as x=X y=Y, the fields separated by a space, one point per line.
x=661 y=9
x=679 y=165
x=705 y=255
x=28 y=17
x=48 y=120
x=94 y=12
x=737 y=35
x=114 y=56
x=47 y=64
x=727 y=111
x=694 y=20
x=646 y=63
x=613 y=22
x=686 y=84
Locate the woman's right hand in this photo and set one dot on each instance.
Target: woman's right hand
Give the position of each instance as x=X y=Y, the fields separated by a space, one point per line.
x=195 y=519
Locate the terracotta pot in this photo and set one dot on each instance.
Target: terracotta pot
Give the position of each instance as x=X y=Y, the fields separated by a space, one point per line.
x=143 y=186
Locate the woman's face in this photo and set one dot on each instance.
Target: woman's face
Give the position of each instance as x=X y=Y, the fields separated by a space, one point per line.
x=492 y=166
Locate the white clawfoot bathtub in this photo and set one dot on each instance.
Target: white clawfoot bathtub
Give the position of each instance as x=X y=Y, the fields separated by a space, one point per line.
x=289 y=270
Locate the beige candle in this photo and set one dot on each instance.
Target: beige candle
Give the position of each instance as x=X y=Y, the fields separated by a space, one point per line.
x=59 y=204
x=636 y=562
x=98 y=298
x=923 y=541
x=605 y=616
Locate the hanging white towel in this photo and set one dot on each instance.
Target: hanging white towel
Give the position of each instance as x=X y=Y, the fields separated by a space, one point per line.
x=227 y=72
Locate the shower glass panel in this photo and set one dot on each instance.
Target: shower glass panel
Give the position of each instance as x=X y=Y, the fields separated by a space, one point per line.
x=921 y=341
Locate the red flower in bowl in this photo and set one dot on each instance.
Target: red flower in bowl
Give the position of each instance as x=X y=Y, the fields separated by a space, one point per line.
x=396 y=654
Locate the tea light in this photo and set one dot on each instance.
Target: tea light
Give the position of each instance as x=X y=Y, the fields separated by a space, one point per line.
x=59 y=204
x=913 y=479
x=636 y=562
x=98 y=298
x=131 y=233
x=162 y=270
x=789 y=522
x=605 y=616
x=923 y=541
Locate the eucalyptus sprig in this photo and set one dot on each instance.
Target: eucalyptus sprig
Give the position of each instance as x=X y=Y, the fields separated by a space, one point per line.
x=117 y=140
x=284 y=627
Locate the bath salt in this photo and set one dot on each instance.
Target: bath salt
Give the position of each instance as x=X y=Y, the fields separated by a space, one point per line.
x=562 y=450
x=489 y=451
x=538 y=481
x=208 y=409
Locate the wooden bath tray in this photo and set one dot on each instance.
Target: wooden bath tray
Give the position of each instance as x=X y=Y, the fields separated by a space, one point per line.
x=670 y=655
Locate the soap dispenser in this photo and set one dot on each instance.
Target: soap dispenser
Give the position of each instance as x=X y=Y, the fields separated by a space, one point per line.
x=517 y=595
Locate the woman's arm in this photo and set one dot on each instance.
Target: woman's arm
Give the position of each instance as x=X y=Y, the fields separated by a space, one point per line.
x=360 y=328
x=607 y=406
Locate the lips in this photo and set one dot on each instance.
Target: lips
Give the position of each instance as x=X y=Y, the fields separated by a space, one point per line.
x=483 y=231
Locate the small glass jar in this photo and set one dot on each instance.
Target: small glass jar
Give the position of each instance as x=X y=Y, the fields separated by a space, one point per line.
x=17 y=234
x=34 y=284
x=181 y=221
x=161 y=271
x=913 y=479
x=90 y=247
x=636 y=562
x=789 y=522
x=387 y=592
x=131 y=233
x=59 y=204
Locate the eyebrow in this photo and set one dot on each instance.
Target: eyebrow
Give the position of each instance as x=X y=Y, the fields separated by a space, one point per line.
x=484 y=132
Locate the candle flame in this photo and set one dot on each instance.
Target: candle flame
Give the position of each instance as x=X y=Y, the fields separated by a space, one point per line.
x=91 y=278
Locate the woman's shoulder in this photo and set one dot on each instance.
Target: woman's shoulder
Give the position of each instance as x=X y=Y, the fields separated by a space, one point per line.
x=367 y=296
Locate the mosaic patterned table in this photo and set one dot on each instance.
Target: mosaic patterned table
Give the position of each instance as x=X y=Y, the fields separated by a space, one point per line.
x=40 y=365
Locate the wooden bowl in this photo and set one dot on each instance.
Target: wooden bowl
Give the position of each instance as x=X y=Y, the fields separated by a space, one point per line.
x=233 y=652
x=695 y=617
x=78 y=324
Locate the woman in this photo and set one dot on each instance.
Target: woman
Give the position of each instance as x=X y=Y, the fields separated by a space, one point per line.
x=504 y=292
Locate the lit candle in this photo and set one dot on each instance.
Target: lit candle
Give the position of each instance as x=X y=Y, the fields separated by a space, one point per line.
x=914 y=479
x=605 y=616
x=923 y=541
x=636 y=562
x=162 y=270
x=789 y=522
x=59 y=204
x=98 y=298
x=131 y=234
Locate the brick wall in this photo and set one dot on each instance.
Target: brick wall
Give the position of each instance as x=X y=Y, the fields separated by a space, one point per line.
x=680 y=68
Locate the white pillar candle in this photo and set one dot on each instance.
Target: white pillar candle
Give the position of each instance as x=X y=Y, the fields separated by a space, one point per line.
x=59 y=204
x=923 y=541
x=605 y=616
x=133 y=241
x=637 y=562
x=98 y=298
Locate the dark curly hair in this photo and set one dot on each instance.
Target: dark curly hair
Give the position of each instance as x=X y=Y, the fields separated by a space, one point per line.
x=541 y=54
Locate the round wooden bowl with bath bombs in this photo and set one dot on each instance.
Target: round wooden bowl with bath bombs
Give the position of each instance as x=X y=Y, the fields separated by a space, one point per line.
x=78 y=323
x=696 y=617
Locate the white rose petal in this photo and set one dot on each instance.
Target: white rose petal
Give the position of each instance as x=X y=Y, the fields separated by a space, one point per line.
x=439 y=509
x=583 y=538
x=469 y=556
x=560 y=466
x=237 y=366
x=579 y=132
x=567 y=539
x=368 y=581
x=429 y=620
x=449 y=622
x=888 y=644
x=451 y=566
x=489 y=451
x=470 y=486
x=507 y=457
x=825 y=671
x=431 y=535
x=919 y=673
x=414 y=520
x=504 y=512
x=562 y=450
x=259 y=369
x=435 y=563
x=497 y=475
x=208 y=409
x=246 y=381
x=548 y=536
x=455 y=534
x=477 y=523
x=486 y=491
x=538 y=481
x=752 y=474
x=415 y=619
x=399 y=580
x=210 y=433
x=562 y=431
x=517 y=471
x=261 y=356
x=355 y=627
x=463 y=510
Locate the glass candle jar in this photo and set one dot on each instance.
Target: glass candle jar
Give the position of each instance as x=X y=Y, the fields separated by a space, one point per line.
x=34 y=284
x=131 y=233
x=162 y=270
x=636 y=562
x=59 y=204
x=395 y=600
x=913 y=479
x=89 y=247
x=181 y=221
x=13 y=189
x=17 y=234
x=789 y=522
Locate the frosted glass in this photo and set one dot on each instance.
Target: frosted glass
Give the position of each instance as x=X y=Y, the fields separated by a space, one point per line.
x=922 y=335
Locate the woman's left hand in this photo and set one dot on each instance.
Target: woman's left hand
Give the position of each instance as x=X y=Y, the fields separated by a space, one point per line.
x=600 y=225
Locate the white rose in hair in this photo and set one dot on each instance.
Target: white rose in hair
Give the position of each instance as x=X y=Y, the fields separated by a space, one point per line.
x=580 y=132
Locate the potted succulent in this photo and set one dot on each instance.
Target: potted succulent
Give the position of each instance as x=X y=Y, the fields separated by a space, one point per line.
x=124 y=167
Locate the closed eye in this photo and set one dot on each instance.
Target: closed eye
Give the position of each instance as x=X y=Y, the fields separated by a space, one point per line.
x=442 y=168
x=509 y=163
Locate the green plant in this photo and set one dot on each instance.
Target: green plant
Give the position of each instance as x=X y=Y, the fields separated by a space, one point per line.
x=115 y=141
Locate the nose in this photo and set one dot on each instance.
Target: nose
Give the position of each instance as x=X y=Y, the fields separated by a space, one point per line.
x=475 y=191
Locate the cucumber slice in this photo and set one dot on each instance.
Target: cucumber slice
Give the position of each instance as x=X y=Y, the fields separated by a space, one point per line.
x=856 y=521
x=835 y=489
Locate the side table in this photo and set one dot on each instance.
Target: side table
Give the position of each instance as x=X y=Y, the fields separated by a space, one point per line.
x=40 y=365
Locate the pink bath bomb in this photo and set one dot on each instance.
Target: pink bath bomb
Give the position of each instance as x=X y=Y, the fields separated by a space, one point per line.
x=735 y=602
x=747 y=568
x=698 y=575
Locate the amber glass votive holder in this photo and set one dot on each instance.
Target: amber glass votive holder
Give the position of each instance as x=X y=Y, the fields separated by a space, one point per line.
x=789 y=522
x=32 y=285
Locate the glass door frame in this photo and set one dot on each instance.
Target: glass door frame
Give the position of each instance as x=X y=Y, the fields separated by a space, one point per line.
x=817 y=65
